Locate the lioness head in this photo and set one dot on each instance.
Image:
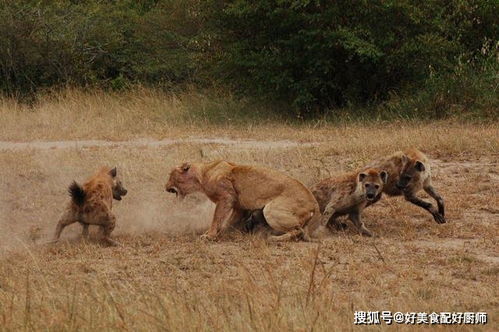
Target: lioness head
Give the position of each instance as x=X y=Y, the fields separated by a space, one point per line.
x=411 y=173
x=118 y=188
x=371 y=181
x=183 y=181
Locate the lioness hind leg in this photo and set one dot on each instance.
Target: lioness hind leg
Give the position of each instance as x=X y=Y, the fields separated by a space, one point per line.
x=280 y=217
x=291 y=235
x=285 y=220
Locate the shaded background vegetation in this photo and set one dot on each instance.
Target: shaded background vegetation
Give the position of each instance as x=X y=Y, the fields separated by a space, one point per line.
x=428 y=59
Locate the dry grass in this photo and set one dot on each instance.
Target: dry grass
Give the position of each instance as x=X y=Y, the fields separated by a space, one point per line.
x=164 y=278
x=73 y=114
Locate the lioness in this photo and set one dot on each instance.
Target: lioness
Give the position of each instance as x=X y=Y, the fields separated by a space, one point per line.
x=348 y=194
x=409 y=172
x=91 y=204
x=288 y=206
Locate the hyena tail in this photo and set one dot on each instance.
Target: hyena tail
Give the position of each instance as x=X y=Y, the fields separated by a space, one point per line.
x=77 y=193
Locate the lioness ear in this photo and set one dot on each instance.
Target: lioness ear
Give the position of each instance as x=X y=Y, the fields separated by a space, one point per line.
x=362 y=176
x=419 y=166
x=113 y=172
x=384 y=176
x=185 y=167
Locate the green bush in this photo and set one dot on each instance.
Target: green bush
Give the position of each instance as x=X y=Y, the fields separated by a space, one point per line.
x=103 y=43
x=469 y=90
x=322 y=54
x=312 y=56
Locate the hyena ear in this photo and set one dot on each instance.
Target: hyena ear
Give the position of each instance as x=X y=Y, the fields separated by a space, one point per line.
x=384 y=176
x=113 y=172
x=362 y=176
x=185 y=167
x=419 y=166
x=405 y=159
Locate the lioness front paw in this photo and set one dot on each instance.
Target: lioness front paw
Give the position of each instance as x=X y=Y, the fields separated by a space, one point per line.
x=208 y=237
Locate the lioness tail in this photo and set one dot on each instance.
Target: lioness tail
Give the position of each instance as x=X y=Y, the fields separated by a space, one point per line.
x=77 y=193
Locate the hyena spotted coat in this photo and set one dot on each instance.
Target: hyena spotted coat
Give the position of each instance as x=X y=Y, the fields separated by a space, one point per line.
x=91 y=204
x=348 y=194
x=409 y=172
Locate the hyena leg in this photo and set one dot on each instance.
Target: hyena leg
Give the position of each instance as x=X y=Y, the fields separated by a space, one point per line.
x=84 y=232
x=247 y=221
x=357 y=221
x=427 y=206
x=254 y=219
x=330 y=218
x=440 y=201
x=69 y=217
x=108 y=227
x=333 y=222
x=106 y=220
x=328 y=214
x=234 y=219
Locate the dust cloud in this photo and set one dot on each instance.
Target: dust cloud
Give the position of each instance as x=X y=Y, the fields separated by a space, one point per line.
x=33 y=195
x=135 y=215
x=13 y=236
x=149 y=213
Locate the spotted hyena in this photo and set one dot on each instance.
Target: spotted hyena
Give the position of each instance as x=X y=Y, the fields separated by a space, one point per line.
x=91 y=204
x=348 y=194
x=409 y=172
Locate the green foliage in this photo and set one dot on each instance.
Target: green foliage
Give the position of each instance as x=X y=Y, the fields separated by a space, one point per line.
x=50 y=43
x=320 y=54
x=468 y=90
x=310 y=55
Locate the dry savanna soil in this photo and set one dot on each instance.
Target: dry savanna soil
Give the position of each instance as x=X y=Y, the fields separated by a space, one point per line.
x=163 y=277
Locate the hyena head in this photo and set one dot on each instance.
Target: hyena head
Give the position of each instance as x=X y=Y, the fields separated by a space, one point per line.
x=118 y=188
x=371 y=182
x=183 y=181
x=411 y=173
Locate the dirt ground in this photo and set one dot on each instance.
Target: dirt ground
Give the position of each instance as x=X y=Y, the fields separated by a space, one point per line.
x=165 y=278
